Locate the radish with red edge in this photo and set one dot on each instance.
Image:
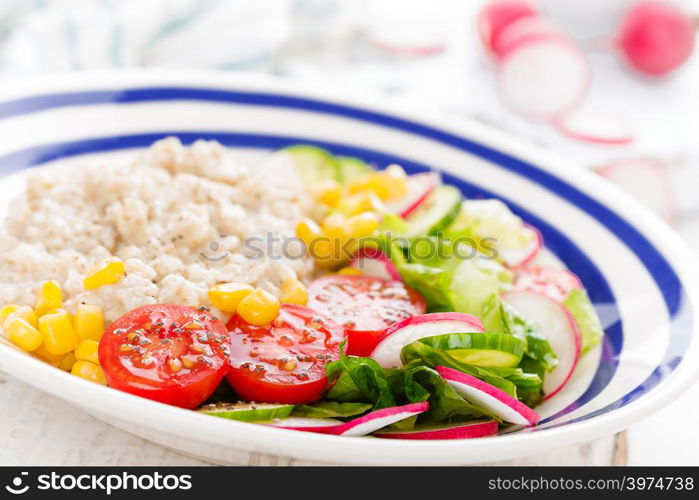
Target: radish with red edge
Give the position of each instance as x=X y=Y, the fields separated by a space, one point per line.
x=373 y=262
x=594 y=128
x=420 y=186
x=463 y=430
x=656 y=37
x=522 y=256
x=497 y=15
x=560 y=329
x=646 y=180
x=387 y=351
x=319 y=425
x=378 y=419
x=555 y=283
x=542 y=73
x=489 y=397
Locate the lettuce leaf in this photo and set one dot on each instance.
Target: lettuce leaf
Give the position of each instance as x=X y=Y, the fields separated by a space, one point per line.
x=355 y=379
x=330 y=409
x=538 y=348
x=579 y=305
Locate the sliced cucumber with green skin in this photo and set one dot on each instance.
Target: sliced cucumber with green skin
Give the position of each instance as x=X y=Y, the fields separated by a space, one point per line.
x=314 y=164
x=481 y=349
x=351 y=168
x=247 y=412
x=436 y=213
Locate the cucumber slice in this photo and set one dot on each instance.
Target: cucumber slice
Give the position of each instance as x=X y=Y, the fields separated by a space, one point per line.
x=481 y=349
x=435 y=213
x=351 y=168
x=247 y=412
x=314 y=164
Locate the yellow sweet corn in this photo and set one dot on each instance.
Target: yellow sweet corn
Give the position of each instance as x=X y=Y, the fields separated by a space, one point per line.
x=52 y=359
x=88 y=322
x=258 y=307
x=107 y=272
x=350 y=271
x=23 y=335
x=6 y=310
x=227 y=296
x=328 y=192
x=66 y=363
x=49 y=297
x=86 y=350
x=293 y=292
x=58 y=333
x=362 y=224
x=307 y=230
x=89 y=371
x=24 y=312
x=334 y=226
x=395 y=182
x=60 y=310
x=361 y=202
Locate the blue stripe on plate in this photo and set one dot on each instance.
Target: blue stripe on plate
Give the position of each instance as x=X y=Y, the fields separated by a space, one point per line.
x=557 y=242
x=663 y=274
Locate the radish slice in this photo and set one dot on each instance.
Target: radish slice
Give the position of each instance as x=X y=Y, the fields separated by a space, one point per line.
x=320 y=425
x=387 y=351
x=647 y=181
x=555 y=283
x=546 y=258
x=419 y=188
x=656 y=37
x=543 y=74
x=522 y=256
x=594 y=128
x=489 y=397
x=498 y=15
x=559 y=328
x=366 y=424
x=373 y=262
x=454 y=431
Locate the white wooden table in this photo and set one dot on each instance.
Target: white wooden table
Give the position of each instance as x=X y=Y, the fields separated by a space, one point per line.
x=40 y=429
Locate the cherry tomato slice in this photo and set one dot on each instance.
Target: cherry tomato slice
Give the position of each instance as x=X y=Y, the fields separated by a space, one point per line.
x=173 y=354
x=283 y=361
x=365 y=306
x=556 y=283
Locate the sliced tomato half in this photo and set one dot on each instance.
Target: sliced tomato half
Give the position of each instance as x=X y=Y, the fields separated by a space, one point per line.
x=365 y=306
x=168 y=353
x=283 y=361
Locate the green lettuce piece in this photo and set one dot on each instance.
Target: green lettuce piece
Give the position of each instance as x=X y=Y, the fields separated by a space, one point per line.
x=538 y=348
x=330 y=409
x=355 y=379
x=579 y=305
x=414 y=383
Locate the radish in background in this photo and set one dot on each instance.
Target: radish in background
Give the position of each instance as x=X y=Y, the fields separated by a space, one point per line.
x=656 y=37
x=499 y=14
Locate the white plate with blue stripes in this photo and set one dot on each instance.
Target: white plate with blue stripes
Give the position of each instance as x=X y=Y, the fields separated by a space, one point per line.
x=639 y=275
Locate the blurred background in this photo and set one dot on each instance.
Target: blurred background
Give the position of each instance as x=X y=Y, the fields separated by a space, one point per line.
x=611 y=84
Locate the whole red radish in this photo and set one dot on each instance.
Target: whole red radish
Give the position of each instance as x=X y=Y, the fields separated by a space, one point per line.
x=656 y=37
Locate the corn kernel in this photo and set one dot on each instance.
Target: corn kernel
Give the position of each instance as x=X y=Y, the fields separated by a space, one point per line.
x=89 y=371
x=86 y=350
x=52 y=359
x=24 y=335
x=107 y=272
x=328 y=192
x=307 y=230
x=357 y=203
x=24 y=312
x=361 y=183
x=333 y=226
x=58 y=333
x=395 y=182
x=88 y=322
x=49 y=297
x=60 y=310
x=350 y=271
x=227 y=296
x=258 y=307
x=66 y=363
x=293 y=292
x=6 y=310
x=323 y=251
x=362 y=224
